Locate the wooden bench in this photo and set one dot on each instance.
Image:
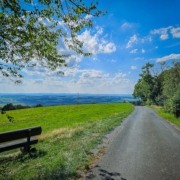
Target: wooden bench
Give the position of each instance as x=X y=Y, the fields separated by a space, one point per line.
x=21 y=138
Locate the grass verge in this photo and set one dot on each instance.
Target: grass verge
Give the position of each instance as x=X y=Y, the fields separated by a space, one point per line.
x=65 y=146
x=169 y=117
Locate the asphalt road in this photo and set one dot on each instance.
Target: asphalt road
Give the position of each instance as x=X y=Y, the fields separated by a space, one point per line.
x=146 y=148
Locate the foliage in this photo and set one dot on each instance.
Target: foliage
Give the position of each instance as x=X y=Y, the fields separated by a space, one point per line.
x=39 y=105
x=10 y=106
x=93 y=102
x=160 y=100
x=79 y=126
x=146 y=88
x=31 y=31
x=172 y=105
x=176 y=104
x=137 y=103
x=160 y=89
x=10 y=118
x=172 y=80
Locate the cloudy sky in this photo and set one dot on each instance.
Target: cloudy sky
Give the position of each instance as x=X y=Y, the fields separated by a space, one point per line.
x=132 y=33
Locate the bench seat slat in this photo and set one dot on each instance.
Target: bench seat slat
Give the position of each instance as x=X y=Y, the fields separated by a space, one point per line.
x=16 y=144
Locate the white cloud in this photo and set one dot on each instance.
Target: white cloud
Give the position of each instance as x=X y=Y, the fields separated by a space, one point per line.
x=175 y=32
x=118 y=79
x=38 y=70
x=120 y=74
x=163 y=32
x=143 y=51
x=101 y=82
x=139 y=58
x=172 y=45
x=126 y=25
x=164 y=36
x=88 y=16
x=82 y=81
x=132 y=40
x=95 y=58
x=133 y=67
x=69 y=72
x=120 y=82
x=134 y=51
x=39 y=81
x=91 y=76
x=73 y=60
x=95 y=44
x=169 y=57
x=146 y=38
x=112 y=60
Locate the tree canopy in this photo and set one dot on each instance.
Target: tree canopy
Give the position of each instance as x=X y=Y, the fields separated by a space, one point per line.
x=161 y=88
x=31 y=31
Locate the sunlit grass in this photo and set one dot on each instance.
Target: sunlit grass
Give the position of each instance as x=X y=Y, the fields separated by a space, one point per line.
x=170 y=117
x=65 y=146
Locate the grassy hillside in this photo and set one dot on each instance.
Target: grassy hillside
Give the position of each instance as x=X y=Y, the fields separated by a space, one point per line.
x=69 y=135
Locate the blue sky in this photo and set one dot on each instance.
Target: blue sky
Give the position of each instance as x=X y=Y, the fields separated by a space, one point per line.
x=132 y=33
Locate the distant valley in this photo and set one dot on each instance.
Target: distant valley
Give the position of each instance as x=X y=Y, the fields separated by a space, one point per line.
x=62 y=99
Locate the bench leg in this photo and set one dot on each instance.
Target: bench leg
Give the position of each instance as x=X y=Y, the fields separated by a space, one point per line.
x=28 y=140
x=29 y=150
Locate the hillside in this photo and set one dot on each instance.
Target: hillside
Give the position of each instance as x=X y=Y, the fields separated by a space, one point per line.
x=65 y=146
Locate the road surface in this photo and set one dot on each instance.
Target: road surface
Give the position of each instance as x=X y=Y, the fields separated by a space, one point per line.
x=146 y=148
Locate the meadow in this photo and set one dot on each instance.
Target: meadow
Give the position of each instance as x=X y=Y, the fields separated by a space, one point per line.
x=64 y=150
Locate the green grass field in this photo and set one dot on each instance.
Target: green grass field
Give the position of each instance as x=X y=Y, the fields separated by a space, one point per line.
x=65 y=147
x=169 y=117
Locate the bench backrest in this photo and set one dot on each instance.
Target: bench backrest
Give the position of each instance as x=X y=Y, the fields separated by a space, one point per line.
x=19 y=134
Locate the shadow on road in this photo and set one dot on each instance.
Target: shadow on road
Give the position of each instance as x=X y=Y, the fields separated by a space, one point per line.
x=102 y=174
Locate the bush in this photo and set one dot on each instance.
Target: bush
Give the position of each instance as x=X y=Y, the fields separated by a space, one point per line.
x=176 y=104
x=93 y=102
x=149 y=102
x=38 y=105
x=172 y=105
x=160 y=100
x=137 y=103
x=10 y=106
x=167 y=106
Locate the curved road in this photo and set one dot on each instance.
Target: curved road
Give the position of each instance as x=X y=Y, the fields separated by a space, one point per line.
x=146 y=148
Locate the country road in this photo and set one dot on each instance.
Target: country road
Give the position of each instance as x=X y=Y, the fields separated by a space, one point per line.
x=146 y=148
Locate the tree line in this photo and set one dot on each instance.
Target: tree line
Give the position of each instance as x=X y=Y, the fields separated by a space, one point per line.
x=160 y=86
x=11 y=106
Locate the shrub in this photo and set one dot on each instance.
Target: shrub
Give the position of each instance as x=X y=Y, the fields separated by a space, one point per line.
x=159 y=100
x=172 y=105
x=167 y=106
x=137 y=103
x=149 y=102
x=9 y=106
x=176 y=104
x=39 y=105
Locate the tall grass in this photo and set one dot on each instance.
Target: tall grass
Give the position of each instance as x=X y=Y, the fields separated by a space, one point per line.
x=169 y=117
x=65 y=146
